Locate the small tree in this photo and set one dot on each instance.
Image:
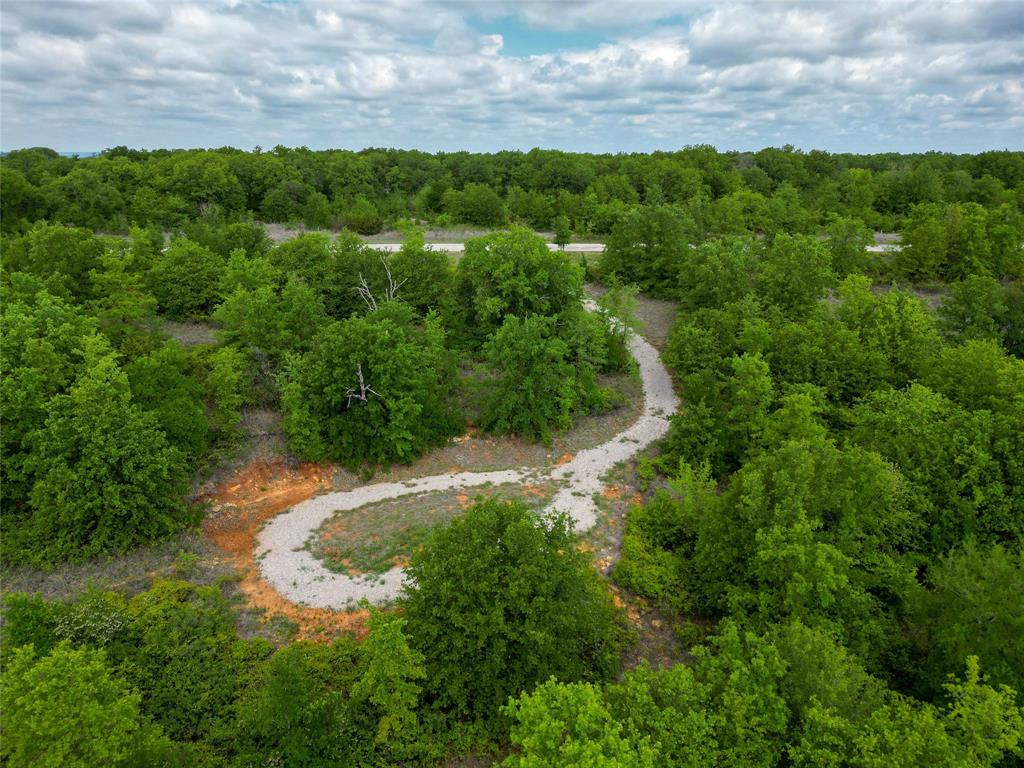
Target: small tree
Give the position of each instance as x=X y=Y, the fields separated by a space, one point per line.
x=185 y=279
x=106 y=479
x=563 y=231
x=363 y=217
x=568 y=725
x=66 y=710
x=370 y=389
x=535 y=392
x=389 y=682
x=500 y=601
x=513 y=273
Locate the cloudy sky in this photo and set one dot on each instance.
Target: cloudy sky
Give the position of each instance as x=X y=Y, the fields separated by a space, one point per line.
x=587 y=76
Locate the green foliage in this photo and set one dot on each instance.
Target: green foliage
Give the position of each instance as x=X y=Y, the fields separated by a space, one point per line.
x=389 y=680
x=29 y=620
x=126 y=311
x=362 y=217
x=424 y=276
x=296 y=713
x=972 y=607
x=563 y=231
x=647 y=247
x=105 y=477
x=847 y=240
x=475 y=204
x=161 y=385
x=266 y=323
x=512 y=273
x=717 y=272
x=63 y=257
x=186 y=658
x=974 y=309
x=41 y=356
x=370 y=389
x=956 y=486
x=185 y=279
x=499 y=602
x=538 y=387
x=568 y=725
x=794 y=272
x=66 y=710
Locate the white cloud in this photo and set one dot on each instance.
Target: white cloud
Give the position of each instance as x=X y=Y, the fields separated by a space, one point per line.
x=85 y=75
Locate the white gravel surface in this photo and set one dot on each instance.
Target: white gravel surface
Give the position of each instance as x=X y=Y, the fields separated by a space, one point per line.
x=460 y=247
x=301 y=578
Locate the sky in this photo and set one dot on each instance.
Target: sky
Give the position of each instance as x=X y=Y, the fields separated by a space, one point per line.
x=488 y=75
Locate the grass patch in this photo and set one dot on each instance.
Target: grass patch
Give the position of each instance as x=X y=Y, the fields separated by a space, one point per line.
x=377 y=537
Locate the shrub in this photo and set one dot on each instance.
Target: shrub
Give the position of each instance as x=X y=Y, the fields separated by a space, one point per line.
x=500 y=601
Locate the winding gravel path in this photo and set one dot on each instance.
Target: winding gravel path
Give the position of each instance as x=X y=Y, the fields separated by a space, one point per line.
x=301 y=578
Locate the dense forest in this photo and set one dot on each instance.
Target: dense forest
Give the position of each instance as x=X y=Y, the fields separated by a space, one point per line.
x=832 y=528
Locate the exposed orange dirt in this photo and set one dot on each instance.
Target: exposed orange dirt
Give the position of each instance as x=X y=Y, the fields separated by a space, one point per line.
x=612 y=492
x=240 y=506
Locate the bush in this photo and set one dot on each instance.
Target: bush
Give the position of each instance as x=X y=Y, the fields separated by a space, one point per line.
x=106 y=479
x=500 y=601
x=512 y=273
x=371 y=389
x=362 y=217
x=185 y=279
x=66 y=710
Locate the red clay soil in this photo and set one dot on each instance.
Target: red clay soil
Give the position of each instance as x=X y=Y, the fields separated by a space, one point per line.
x=240 y=506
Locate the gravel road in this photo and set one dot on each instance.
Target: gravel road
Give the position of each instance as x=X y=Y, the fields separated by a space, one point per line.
x=460 y=247
x=301 y=578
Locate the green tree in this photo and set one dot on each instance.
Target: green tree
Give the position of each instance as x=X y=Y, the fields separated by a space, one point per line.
x=370 y=389
x=794 y=273
x=970 y=609
x=41 y=356
x=563 y=231
x=500 y=601
x=423 y=275
x=161 y=384
x=974 y=309
x=717 y=272
x=185 y=279
x=295 y=714
x=476 y=204
x=105 y=478
x=946 y=454
x=267 y=323
x=63 y=257
x=848 y=239
x=126 y=311
x=388 y=683
x=362 y=217
x=567 y=725
x=185 y=658
x=536 y=389
x=512 y=273
x=66 y=710
x=647 y=246
x=925 y=249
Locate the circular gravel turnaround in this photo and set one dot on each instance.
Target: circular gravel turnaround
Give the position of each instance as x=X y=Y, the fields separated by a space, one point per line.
x=298 y=576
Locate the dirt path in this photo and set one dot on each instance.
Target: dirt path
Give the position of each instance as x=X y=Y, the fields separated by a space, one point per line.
x=297 y=575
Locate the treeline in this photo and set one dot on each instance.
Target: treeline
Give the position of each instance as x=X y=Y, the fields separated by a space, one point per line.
x=775 y=189
x=373 y=358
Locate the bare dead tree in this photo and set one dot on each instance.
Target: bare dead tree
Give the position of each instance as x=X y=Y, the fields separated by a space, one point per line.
x=365 y=293
x=390 y=290
x=364 y=389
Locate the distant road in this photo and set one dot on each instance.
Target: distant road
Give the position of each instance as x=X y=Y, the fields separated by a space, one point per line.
x=459 y=247
x=576 y=247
